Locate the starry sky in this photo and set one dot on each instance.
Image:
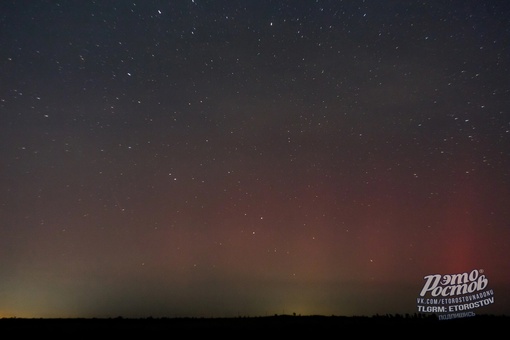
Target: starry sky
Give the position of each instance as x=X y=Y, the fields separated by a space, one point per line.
x=249 y=158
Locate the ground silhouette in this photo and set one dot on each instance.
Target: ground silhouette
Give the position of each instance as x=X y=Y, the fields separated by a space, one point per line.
x=410 y=325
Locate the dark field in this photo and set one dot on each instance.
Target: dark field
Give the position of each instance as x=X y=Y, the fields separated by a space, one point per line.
x=336 y=326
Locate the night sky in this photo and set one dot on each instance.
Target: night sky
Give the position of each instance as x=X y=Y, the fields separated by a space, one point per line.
x=250 y=158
